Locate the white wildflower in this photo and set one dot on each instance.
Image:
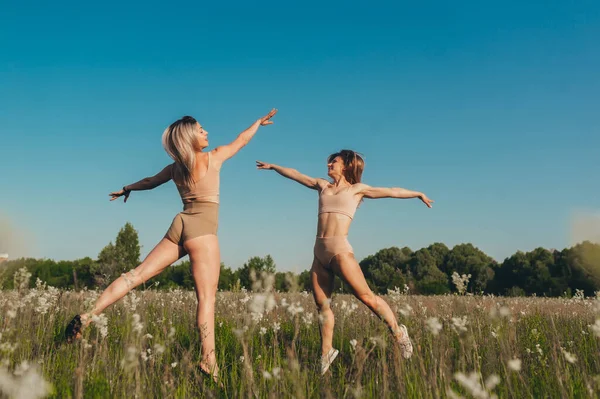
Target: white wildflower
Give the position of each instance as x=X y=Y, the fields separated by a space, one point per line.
x=353 y=343
x=263 y=331
x=138 y=326
x=307 y=317
x=27 y=383
x=406 y=310
x=433 y=325
x=579 y=295
x=460 y=324
x=130 y=360
x=295 y=309
x=514 y=364
x=539 y=349
x=266 y=375
x=101 y=321
x=569 y=357
x=504 y=311
x=491 y=382
x=276 y=327
x=461 y=282
x=21 y=279
x=471 y=382
x=276 y=372
x=159 y=349
x=173 y=365
x=131 y=301
x=242 y=359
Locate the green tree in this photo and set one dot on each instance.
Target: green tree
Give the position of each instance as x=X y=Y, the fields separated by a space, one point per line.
x=467 y=259
x=227 y=278
x=534 y=272
x=428 y=278
x=439 y=252
x=582 y=265
x=304 y=283
x=128 y=246
x=258 y=264
x=385 y=269
x=124 y=255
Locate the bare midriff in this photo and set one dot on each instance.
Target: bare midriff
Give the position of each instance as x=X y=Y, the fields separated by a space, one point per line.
x=333 y=224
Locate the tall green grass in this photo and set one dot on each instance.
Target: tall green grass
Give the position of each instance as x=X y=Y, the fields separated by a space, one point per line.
x=276 y=353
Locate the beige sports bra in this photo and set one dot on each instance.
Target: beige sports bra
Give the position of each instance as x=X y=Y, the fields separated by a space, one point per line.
x=342 y=202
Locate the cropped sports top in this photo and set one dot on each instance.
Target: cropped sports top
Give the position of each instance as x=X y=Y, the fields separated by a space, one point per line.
x=205 y=189
x=342 y=202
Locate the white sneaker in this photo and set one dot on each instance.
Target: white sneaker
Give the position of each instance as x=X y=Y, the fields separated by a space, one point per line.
x=327 y=359
x=404 y=342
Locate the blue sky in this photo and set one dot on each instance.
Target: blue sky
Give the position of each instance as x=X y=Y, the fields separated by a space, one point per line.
x=491 y=109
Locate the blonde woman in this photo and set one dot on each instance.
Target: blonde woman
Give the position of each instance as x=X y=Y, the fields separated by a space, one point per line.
x=333 y=254
x=193 y=231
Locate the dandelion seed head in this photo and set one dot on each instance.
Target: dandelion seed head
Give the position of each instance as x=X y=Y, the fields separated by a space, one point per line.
x=569 y=357
x=491 y=382
x=159 y=349
x=406 y=310
x=460 y=324
x=276 y=372
x=26 y=382
x=514 y=364
x=433 y=325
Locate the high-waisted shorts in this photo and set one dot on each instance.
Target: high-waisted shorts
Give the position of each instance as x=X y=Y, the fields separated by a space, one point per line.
x=328 y=247
x=197 y=219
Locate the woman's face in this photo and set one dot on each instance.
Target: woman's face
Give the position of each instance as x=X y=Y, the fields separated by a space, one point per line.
x=202 y=136
x=335 y=167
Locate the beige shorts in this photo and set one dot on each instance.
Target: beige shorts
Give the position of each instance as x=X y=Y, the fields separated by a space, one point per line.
x=197 y=219
x=328 y=247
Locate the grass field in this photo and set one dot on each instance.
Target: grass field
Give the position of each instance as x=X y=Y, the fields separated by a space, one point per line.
x=147 y=346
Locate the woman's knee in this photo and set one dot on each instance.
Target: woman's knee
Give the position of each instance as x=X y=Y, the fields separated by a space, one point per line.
x=207 y=293
x=207 y=300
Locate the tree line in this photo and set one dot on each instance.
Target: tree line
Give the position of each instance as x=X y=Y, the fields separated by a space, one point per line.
x=426 y=271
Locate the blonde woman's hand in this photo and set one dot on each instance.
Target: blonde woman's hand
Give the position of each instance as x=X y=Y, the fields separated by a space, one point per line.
x=266 y=120
x=263 y=165
x=426 y=200
x=120 y=193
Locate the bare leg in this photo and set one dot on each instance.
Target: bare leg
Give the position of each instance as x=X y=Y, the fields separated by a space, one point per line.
x=164 y=254
x=346 y=266
x=322 y=281
x=206 y=266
